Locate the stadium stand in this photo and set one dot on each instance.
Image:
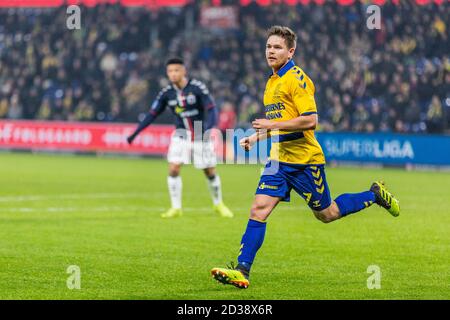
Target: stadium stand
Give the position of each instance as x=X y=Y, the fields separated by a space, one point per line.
x=395 y=79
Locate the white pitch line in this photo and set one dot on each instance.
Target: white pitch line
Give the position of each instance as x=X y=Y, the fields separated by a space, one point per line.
x=75 y=209
x=96 y=209
x=75 y=196
x=122 y=209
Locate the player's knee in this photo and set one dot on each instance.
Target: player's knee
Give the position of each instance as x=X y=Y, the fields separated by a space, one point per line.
x=328 y=215
x=325 y=218
x=174 y=172
x=210 y=172
x=259 y=211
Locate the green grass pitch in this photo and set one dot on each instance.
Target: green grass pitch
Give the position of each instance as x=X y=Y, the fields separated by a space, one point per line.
x=102 y=214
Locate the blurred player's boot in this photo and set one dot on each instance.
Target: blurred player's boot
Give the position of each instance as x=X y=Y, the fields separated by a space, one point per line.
x=385 y=199
x=233 y=276
x=172 y=213
x=223 y=210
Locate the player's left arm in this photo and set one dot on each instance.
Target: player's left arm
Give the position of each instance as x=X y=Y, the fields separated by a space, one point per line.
x=156 y=109
x=211 y=112
x=302 y=92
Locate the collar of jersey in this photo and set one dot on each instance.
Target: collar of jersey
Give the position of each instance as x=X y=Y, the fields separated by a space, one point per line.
x=285 y=68
x=178 y=89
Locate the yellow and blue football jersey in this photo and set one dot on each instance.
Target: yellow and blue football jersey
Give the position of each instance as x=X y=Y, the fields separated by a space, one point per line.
x=289 y=94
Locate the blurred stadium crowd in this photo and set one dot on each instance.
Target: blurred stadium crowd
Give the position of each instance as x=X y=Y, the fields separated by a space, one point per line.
x=395 y=79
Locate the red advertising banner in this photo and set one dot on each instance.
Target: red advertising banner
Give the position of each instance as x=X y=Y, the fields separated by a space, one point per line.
x=224 y=17
x=91 y=3
x=79 y=136
x=180 y=3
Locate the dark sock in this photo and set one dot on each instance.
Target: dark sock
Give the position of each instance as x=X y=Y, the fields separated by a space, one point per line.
x=251 y=242
x=353 y=202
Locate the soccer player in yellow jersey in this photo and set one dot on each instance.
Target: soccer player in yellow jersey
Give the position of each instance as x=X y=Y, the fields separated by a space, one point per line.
x=296 y=159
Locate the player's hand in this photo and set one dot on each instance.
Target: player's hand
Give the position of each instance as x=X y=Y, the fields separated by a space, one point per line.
x=247 y=143
x=131 y=138
x=263 y=124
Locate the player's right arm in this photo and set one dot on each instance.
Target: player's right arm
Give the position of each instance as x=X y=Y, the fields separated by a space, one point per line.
x=248 y=142
x=156 y=109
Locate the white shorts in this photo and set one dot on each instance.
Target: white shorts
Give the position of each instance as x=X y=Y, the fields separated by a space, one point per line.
x=185 y=151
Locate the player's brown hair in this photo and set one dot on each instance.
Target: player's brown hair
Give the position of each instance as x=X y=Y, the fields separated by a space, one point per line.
x=284 y=32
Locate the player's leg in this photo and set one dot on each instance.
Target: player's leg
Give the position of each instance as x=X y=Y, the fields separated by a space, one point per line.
x=349 y=203
x=175 y=185
x=251 y=241
x=177 y=155
x=214 y=185
x=328 y=214
x=345 y=204
x=215 y=189
x=253 y=237
x=204 y=157
x=311 y=184
x=272 y=189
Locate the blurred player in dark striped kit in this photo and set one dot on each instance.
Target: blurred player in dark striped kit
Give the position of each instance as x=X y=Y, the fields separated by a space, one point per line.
x=194 y=108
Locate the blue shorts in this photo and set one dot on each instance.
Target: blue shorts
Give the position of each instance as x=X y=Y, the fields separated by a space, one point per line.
x=309 y=181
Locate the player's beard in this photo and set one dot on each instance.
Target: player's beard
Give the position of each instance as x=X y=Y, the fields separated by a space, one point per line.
x=277 y=64
x=272 y=63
